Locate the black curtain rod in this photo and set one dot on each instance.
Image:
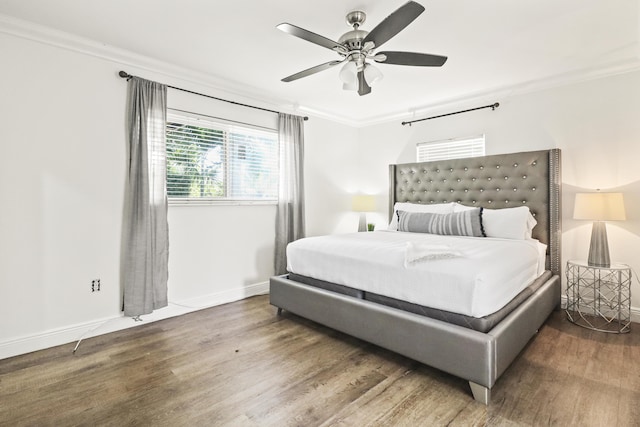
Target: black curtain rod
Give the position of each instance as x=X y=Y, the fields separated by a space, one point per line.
x=127 y=76
x=492 y=106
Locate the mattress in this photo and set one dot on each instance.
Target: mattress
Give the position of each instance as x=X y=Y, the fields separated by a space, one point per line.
x=486 y=275
x=480 y=324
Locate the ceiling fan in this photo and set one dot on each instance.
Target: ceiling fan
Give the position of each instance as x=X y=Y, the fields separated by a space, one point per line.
x=356 y=48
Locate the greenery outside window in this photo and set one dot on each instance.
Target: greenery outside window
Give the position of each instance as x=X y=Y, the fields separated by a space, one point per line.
x=210 y=161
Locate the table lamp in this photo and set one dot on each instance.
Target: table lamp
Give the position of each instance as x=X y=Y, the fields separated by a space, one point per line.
x=599 y=207
x=363 y=203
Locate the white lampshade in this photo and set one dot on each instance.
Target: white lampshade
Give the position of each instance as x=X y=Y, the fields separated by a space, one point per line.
x=363 y=203
x=350 y=86
x=372 y=74
x=349 y=76
x=599 y=207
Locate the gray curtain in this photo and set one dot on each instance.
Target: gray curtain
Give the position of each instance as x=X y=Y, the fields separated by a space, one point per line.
x=145 y=248
x=290 y=213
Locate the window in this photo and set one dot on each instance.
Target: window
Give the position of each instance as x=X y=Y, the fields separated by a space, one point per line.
x=210 y=160
x=450 y=149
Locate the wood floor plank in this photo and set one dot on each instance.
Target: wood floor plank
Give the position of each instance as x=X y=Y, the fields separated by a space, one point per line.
x=242 y=365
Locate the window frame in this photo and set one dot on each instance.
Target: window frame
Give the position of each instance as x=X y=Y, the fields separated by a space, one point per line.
x=191 y=118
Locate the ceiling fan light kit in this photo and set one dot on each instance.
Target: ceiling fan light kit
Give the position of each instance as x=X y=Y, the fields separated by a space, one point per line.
x=357 y=48
x=349 y=76
x=372 y=74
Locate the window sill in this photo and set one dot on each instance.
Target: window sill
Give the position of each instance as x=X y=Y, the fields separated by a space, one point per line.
x=193 y=202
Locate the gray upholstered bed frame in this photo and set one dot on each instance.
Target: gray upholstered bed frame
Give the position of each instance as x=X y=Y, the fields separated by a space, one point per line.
x=531 y=179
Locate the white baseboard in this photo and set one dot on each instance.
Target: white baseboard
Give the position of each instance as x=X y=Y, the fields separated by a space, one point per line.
x=73 y=333
x=50 y=338
x=225 y=297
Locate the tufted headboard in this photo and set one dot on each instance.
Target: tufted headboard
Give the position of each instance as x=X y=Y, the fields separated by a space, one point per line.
x=501 y=181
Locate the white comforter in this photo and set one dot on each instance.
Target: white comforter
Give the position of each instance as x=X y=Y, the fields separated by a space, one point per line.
x=474 y=276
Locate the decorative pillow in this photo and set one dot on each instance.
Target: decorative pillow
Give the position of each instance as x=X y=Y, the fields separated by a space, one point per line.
x=509 y=223
x=441 y=208
x=467 y=223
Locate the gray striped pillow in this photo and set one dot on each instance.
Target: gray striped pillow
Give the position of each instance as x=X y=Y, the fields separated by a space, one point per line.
x=466 y=223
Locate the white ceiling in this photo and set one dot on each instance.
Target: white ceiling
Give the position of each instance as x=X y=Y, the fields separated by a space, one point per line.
x=492 y=45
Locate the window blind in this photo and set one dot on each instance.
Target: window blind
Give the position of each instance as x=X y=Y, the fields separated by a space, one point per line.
x=211 y=160
x=450 y=149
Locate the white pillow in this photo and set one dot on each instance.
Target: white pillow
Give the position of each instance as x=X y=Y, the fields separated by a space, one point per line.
x=508 y=223
x=441 y=208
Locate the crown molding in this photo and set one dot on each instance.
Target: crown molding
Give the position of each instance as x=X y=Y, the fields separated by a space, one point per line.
x=60 y=39
x=321 y=114
x=240 y=92
x=500 y=93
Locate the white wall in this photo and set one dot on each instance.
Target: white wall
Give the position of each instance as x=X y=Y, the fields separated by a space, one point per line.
x=331 y=171
x=62 y=187
x=595 y=123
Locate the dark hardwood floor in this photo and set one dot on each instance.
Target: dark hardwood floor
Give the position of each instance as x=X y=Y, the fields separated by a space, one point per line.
x=241 y=365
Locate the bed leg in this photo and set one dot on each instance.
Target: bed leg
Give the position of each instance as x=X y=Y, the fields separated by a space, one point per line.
x=279 y=312
x=480 y=393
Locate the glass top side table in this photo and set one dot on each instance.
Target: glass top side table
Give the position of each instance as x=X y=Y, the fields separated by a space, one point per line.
x=599 y=298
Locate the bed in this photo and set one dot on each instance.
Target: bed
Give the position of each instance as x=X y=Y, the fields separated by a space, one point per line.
x=476 y=348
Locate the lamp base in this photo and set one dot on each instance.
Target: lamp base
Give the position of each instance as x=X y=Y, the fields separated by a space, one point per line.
x=362 y=225
x=599 y=247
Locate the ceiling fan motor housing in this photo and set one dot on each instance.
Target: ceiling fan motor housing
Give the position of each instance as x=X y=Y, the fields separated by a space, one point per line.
x=352 y=40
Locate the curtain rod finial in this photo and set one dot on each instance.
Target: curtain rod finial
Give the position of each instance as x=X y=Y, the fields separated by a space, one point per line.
x=124 y=75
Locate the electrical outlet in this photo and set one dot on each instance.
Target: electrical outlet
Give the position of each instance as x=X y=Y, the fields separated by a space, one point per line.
x=95 y=285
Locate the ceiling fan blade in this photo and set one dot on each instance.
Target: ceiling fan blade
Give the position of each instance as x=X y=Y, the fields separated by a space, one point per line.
x=363 y=86
x=310 y=71
x=308 y=35
x=411 y=58
x=394 y=23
